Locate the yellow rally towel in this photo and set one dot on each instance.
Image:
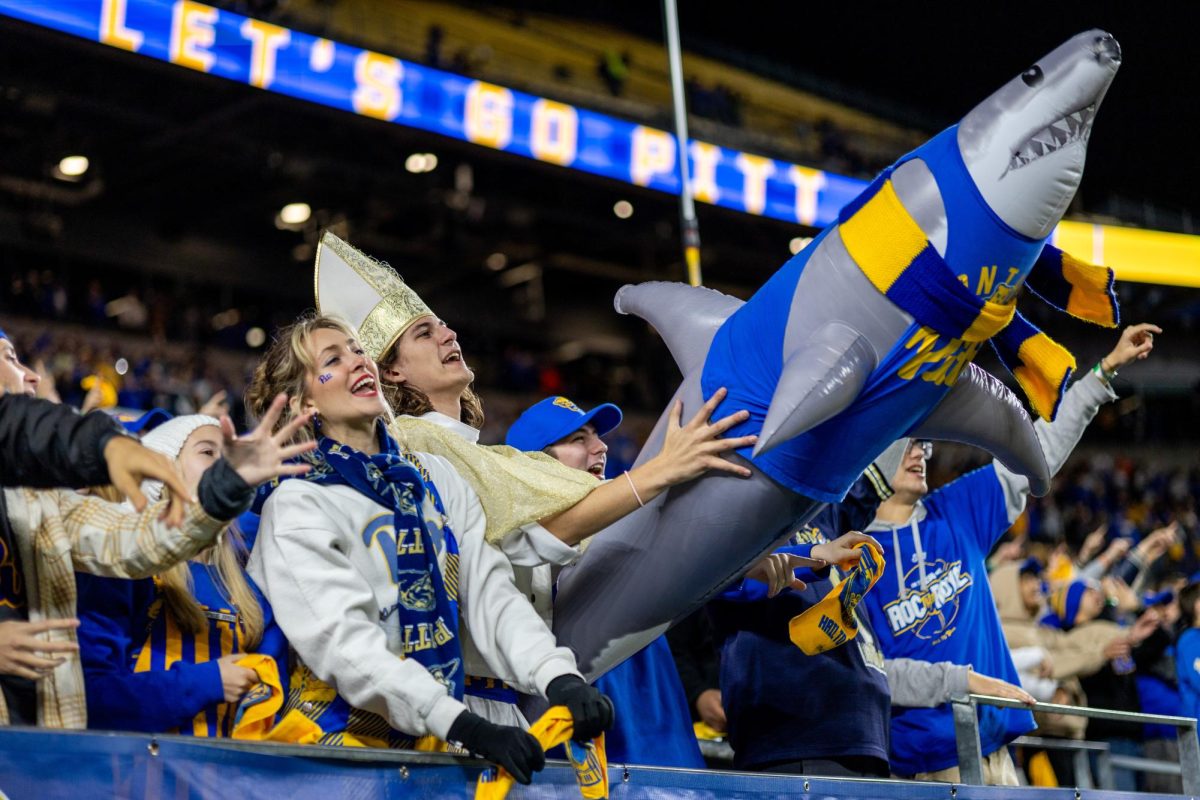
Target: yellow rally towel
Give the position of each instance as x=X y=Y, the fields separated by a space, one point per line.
x=255 y=719
x=555 y=727
x=830 y=623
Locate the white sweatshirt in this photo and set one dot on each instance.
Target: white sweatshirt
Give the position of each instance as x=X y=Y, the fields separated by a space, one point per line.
x=318 y=562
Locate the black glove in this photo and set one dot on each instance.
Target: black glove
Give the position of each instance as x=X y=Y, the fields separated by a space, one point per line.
x=591 y=711
x=510 y=747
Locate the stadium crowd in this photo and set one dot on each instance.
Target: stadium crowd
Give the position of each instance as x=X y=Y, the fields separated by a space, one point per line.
x=179 y=592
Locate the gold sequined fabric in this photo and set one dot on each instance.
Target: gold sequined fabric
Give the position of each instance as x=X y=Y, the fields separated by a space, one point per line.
x=515 y=488
x=398 y=307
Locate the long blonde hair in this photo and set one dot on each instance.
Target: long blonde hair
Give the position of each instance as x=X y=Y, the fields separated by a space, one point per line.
x=228 y=557
x=406 y=399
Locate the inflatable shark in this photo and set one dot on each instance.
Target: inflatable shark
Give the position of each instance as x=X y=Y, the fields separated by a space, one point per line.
x=863 y=338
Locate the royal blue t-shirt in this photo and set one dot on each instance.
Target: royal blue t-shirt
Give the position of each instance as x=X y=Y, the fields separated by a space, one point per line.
x=952 y=618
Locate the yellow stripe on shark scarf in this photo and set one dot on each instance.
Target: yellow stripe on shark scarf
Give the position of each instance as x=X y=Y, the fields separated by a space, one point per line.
x=886 y=242
x=553 y=728
x=830 y=623
x=1046 y=367
x=1090 y=297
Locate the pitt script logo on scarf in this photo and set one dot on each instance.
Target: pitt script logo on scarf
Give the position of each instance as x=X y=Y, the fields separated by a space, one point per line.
x=929 y=612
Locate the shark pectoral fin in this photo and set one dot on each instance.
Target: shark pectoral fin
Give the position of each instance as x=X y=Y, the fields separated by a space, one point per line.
x=686 y=317
x=817 y=382
x=981 y=411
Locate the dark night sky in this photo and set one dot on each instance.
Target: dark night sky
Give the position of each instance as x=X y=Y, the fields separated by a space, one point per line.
x=936 y=60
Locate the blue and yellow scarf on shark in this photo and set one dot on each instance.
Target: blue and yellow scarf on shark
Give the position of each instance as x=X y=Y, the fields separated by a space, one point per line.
x=894 y=254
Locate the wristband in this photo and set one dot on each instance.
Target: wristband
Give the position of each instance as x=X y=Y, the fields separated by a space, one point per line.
x=1102 y=373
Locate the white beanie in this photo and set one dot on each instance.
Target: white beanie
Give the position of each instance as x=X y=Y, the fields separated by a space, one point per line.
x=168 y=439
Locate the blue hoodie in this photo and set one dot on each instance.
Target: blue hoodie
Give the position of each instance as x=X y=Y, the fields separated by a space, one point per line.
x=952 y=619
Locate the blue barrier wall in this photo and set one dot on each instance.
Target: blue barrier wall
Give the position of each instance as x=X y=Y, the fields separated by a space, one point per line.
x=47 y=765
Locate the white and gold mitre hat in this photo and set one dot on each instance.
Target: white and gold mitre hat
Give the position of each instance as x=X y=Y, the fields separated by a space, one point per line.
x=366 y=293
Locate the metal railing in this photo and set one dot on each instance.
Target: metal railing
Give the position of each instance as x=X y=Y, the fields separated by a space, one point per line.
x=970 y=758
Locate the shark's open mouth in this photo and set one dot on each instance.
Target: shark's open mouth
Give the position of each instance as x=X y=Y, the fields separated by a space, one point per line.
x=1074 y=127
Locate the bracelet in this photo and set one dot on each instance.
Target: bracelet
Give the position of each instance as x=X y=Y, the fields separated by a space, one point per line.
x=1104 y=374
x=636 y=496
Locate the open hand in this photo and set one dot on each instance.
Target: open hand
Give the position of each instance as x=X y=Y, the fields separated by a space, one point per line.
x=690 y=450
x=260 y=455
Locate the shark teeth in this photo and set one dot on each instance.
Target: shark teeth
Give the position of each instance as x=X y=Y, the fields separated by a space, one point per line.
x=1074 y=127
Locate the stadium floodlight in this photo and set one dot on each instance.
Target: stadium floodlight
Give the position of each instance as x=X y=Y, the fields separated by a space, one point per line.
x=623 y=209
x=72 y=167
x=295 y=213
x=255 y=337
x=421 y=162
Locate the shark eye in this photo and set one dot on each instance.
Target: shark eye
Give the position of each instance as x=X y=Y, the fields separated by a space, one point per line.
x=1032 y=76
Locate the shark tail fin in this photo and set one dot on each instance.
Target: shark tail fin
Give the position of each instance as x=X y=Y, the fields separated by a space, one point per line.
x=981 y=411
x=686 y=317
x=818 y=381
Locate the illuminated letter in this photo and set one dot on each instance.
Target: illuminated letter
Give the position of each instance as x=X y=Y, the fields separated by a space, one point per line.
x=755 y=171
x=112 y=27
x=265 y=39
x=553 y=132
x=653 y=153
x=488 y=115
x=377 y=93
x=809 y=182
x=704 y=171
x=191 y=33
x=320 y=59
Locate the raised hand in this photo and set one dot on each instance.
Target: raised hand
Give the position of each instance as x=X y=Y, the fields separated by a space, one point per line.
x=690 y=450
x=129 y=463
x=216 y=406
x=260 y=455
x=1135 y=344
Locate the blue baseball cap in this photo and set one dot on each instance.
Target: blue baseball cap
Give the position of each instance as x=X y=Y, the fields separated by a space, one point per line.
x=547 y=421
x=144 y=423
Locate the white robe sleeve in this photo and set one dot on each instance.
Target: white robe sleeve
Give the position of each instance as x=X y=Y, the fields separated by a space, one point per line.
x=532 y=545
x=504 y=627
x=326 y=608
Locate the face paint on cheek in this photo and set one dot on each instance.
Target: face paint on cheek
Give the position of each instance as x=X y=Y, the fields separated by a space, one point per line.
x=326 y=378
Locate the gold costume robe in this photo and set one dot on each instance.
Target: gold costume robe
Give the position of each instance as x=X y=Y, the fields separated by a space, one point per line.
x=514 y=487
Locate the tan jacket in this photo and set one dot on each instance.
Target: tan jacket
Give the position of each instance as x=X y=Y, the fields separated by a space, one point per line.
x=57 y=532
x=1074 y=654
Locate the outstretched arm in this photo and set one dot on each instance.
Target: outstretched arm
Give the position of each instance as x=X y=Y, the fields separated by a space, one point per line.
x=1079 y=407
x=688 y=452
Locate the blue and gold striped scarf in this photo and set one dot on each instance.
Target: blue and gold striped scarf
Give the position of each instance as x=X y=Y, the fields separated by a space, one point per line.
x=427 y=603
x=892 y=251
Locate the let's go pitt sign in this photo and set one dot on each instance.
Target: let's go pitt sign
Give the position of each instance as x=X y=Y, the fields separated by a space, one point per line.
x=371 y=84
